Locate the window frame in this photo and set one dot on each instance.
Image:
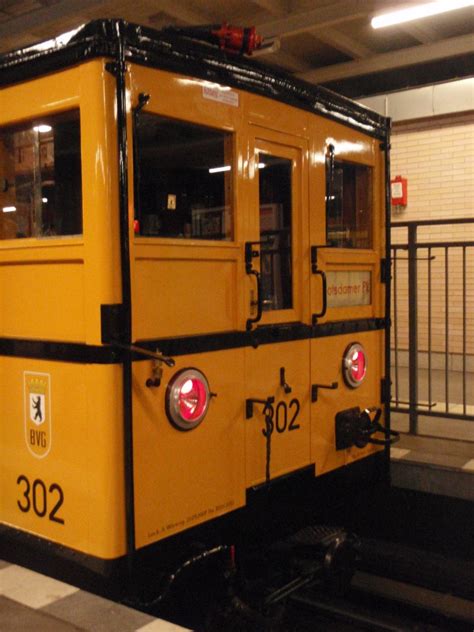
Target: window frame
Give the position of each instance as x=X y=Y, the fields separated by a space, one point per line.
x=35 y=118
x=330 y=166
x=228 y=136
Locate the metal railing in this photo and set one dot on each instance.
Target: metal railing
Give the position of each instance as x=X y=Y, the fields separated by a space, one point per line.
x=433 y=321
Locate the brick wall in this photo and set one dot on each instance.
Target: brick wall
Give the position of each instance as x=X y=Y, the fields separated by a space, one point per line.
x=437 y=158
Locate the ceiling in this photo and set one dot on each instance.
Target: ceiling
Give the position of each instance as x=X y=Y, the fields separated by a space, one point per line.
x=331 y=43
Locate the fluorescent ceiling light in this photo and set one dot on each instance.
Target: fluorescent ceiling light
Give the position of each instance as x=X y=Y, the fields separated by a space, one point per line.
x=9 y=209
x=419 y=11
x=220 y=169
x=261 y=165
x=42 y=129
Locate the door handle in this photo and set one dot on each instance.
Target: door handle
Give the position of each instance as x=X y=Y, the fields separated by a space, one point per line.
x=258 y=302
x=250 y=254
x=322 y=274
x=324 y=307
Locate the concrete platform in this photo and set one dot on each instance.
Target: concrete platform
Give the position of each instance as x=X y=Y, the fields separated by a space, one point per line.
x=30 y=601
x=439 y=461
x=440 y=458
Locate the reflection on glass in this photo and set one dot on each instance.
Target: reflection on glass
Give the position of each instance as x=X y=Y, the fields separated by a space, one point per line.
x=40 y=178
x=274 y=175
x=349 y=198
x=183 y=176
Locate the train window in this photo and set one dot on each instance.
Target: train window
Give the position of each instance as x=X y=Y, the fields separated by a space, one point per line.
x=183 y=179
x=40 y=178
x=348 y=204
x=275 y=231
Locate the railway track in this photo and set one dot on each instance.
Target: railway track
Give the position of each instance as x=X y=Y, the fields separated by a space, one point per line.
x=378 y=604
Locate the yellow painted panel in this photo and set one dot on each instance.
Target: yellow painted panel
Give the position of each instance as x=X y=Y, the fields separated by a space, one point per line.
x=100 y=192
x=46 y=95
x=289 y=443
x=277 y=116
x=326 y=368
x=43 y=300
x=185 y=478
x=61 y=300
x=349 y=144
x=176 y=297
x=71 y=492
x=190 y=98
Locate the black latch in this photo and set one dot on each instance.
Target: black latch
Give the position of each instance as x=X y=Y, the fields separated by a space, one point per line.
x=315 y=387
x=112 y=323
x=385 y=270
x=283 y=382
x=112 y=67
x=249 y=403
x=385 y=390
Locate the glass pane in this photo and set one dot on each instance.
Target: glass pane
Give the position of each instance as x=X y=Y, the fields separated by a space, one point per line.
x=40 y=178
x=274 y=176
x=349 y=205
x=183 y=175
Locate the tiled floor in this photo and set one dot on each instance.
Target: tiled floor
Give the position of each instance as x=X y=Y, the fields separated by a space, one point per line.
x=32 y=602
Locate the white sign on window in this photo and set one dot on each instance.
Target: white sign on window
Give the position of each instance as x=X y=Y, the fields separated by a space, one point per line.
x=348 y=288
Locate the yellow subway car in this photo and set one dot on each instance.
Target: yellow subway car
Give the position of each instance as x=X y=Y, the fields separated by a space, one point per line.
x=194 y=298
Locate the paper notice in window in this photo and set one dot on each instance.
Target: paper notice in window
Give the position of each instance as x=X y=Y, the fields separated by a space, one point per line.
x=349 y=288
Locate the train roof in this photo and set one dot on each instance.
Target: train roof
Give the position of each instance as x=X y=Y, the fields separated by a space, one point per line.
x=169 y=49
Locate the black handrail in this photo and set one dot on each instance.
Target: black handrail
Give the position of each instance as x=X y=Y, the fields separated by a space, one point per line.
x=445 y=250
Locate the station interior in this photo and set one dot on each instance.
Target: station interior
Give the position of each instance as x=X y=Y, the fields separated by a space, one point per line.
x=420 y=74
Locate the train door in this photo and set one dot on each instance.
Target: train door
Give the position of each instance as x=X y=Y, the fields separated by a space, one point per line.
x=277 y=371
x=346 y=290
x=185 y=263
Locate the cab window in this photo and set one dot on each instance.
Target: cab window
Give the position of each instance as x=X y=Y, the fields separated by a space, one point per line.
x=183 y=176
x=40 y=178
x=349 y=202
x=274 y=176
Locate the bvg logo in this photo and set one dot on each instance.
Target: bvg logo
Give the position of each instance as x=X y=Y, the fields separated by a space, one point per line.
x=37 y=387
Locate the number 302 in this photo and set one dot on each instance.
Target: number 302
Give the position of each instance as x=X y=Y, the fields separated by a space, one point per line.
x=278 y=418
x=35 y=496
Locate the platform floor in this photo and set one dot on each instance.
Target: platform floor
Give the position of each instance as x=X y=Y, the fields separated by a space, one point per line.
x=440 y=458
x=30 y=602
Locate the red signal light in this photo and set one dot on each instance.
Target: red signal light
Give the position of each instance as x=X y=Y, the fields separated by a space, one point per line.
x=187 y=399
x=354 y=365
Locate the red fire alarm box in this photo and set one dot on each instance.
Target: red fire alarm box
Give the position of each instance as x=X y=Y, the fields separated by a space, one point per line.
x=398 y=191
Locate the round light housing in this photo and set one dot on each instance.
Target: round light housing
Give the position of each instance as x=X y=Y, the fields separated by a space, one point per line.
x=187 y=399
x=354 y=365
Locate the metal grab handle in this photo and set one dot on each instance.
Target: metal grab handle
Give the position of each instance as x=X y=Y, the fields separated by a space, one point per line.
x=259 y=302
x=324 y=308
x=373 y=426
x=250 y=254
x=391 y=436
x=145 y=352
x=322 y=274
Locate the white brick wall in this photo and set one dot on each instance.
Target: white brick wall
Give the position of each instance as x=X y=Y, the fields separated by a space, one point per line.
x=438 y=162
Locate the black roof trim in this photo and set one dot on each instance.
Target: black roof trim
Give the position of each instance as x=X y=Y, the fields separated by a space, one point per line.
x=170 y=50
